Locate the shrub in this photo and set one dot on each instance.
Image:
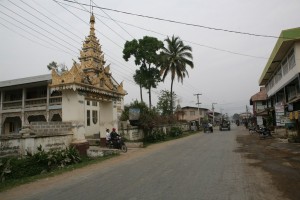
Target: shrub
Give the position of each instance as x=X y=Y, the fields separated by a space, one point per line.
x=4 y=169
x=40 y=162
x=175 y=132
x=155 y=136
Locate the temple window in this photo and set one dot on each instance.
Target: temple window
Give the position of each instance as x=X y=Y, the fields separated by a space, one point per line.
x=88 y=117
x=88 y=103
x=95 y=116
x=94 y=103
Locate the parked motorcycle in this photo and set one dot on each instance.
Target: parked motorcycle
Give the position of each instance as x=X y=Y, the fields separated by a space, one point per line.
x=264 y=132
x=117 y=144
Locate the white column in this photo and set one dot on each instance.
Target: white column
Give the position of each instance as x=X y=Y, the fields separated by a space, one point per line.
x=23 y=120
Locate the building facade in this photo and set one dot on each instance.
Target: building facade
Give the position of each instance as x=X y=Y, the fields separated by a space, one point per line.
x=259 y=104
x=281 y=77
x=87 y=95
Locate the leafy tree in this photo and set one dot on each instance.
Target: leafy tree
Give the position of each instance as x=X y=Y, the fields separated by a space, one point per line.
x=174 y=59
x=148 y=117
x=138 y=77
x=164 y=100
x=145 y=53
x=236 y=116
x=57 y=67
x=52 y=65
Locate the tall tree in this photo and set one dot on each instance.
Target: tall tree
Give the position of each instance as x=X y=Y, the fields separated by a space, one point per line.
x=146 y=56
x=174 y=60
x=164 y=100
x=138 y=79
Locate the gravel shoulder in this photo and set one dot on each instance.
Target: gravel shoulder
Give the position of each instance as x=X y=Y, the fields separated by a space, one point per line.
x=279 y=159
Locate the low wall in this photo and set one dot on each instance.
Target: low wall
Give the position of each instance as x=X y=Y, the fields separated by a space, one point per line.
x=49 y=135
x=50 y=128
x=133 y=133
x=20 y=145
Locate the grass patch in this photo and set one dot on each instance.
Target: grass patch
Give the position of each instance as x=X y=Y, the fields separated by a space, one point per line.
x=8 y=184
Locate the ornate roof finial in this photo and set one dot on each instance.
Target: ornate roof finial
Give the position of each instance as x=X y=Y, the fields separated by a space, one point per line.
x=92 y=22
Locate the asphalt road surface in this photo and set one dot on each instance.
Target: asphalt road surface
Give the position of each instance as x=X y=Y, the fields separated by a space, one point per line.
x=202 y=166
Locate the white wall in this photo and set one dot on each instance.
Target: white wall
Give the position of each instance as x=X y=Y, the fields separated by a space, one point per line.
x=107 y=114
x=293 y=73
x=72 y=107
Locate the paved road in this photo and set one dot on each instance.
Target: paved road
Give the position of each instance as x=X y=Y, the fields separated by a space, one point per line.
x=201 y=166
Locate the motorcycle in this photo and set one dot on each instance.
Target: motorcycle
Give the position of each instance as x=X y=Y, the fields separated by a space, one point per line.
x=117 y=144
x=264 y=132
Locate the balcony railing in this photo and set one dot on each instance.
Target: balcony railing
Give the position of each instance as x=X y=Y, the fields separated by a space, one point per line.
x=35 y=102
x=56 y=100
x=12 y=104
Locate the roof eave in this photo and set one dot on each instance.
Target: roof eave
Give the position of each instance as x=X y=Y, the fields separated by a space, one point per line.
x=286 y=39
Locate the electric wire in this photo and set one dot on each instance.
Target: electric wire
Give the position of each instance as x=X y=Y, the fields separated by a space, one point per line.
x=115 y=21
x=88 y=24
x=52 y=20
x=37 y=31
x=122 y=64
x=105 y=24
x=46 y=24
x=34 y=29
x=183 y=23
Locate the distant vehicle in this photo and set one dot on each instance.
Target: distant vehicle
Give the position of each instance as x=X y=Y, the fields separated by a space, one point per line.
x=224 y=125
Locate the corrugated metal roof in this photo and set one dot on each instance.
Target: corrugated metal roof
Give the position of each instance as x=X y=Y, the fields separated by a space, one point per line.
x=21 y=81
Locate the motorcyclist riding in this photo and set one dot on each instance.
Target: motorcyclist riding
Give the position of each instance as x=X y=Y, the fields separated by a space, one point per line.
x=114 y=137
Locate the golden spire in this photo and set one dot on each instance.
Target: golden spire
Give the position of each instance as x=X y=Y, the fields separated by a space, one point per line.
x=92 y=22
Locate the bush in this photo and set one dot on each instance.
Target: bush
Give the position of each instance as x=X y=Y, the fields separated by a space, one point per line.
x=175 y=132
x=4 y=169
x=41 y=162
x=155 y=136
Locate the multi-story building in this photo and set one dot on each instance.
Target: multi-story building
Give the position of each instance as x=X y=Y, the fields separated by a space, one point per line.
x=86 y=95
x=189 y=113
x=259 y=103
x=281 y=76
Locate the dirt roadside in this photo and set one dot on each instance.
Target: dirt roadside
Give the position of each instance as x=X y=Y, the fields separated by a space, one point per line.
x=279 y=159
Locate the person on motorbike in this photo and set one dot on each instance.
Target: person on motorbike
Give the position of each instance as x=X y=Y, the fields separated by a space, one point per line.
x=114 y=136
x=210 y=127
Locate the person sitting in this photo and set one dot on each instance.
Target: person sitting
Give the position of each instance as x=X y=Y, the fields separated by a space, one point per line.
x=114 y=137
x=107 y=136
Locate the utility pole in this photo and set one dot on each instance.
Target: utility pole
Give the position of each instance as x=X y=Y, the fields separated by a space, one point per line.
x=213 y=109
x=198 y=103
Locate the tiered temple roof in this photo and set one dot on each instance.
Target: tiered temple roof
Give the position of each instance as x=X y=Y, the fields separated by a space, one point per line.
x=91 y=74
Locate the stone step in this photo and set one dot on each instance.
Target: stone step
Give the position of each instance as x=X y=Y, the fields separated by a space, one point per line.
x=93 y=142
x=100 y=152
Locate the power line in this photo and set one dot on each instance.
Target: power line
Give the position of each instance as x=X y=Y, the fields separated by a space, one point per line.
x=183 y=23
x=51 y=20
x=37 y=31
x=105 y=24
x=46 y=24
x=34 y=29
x=191 y=42
x=87 y=24
x=114 y=21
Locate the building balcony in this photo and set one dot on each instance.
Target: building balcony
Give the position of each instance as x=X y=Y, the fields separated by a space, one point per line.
x=36 y=102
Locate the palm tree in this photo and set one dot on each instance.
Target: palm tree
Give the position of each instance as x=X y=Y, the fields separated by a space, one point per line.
x=174 y=59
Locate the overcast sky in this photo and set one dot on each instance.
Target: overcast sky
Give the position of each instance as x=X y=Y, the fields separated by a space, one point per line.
x=227 y=65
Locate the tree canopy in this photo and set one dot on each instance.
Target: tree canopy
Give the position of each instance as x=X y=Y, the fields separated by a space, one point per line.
x=174 y=60
x=145 y=53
